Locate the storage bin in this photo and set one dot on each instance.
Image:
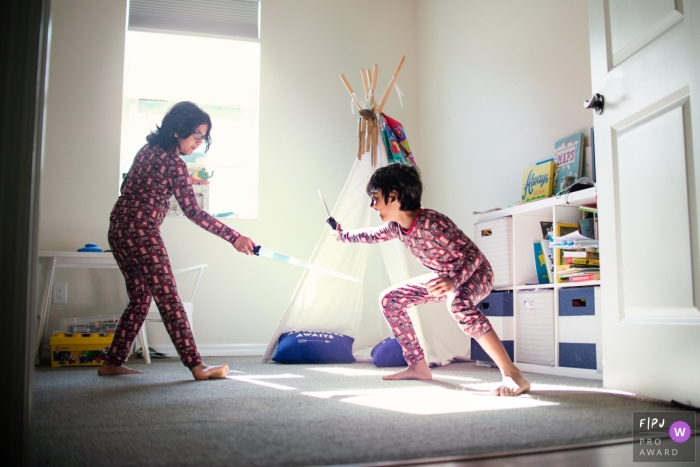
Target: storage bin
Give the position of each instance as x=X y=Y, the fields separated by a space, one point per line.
x=534 y=327
x=577 y=301
x=579 y=330
x=89 y=325
x=78 y=349
x=498 y=303
x=495 y=240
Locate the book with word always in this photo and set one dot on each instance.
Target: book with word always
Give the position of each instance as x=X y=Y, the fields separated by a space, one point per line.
x=538 y=181
x=568 y=157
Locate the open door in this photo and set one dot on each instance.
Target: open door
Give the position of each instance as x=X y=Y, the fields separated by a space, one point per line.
x=645 y=62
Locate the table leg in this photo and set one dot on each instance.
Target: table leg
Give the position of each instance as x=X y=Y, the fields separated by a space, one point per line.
x=43 y=312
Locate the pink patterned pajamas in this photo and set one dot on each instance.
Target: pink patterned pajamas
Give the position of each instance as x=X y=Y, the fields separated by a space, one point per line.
x=136 y=243
x=442 y=247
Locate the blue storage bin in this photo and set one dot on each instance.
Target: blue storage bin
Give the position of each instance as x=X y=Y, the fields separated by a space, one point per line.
x=577 y=301
x=479 y=354
x=498 y=303
x=577 y=356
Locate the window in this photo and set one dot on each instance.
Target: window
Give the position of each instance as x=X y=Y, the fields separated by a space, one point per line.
x=222 y=76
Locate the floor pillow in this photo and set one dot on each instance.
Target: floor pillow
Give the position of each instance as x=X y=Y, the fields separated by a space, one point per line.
x=388 y=353
x=314 y=347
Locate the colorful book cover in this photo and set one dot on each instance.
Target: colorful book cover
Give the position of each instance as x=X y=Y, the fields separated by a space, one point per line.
x=549 y=259
x=540 y=264
x=585 y=277
x=538 y=181
x=568 y=155
x=582 y=261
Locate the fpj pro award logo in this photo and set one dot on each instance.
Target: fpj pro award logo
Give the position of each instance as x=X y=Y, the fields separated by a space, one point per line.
x=664 y=437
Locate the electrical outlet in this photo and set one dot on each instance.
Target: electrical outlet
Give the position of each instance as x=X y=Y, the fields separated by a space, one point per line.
x=60 y=293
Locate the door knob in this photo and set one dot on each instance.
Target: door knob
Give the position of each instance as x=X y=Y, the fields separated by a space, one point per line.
x=596 y=102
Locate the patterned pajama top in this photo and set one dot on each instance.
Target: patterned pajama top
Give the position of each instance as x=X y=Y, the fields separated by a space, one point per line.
x=434 y=240
x=155 y=176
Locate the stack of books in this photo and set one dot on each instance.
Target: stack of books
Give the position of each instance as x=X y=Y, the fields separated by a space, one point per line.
x=579 y=260
x=579 y=265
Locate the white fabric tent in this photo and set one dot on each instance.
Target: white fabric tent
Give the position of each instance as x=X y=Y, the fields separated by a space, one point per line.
x=328 y=304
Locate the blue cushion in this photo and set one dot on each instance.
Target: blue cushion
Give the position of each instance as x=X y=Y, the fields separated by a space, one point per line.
x=314 y=347
x=388 y=353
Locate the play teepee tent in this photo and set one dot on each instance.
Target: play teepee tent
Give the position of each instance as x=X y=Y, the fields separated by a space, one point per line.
x=324 y=303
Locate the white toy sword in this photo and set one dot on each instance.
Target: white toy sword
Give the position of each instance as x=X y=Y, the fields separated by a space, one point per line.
x=330 y=219
x=266 y=253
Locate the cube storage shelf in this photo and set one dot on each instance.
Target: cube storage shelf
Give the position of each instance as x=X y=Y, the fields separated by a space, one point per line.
x=551 y=335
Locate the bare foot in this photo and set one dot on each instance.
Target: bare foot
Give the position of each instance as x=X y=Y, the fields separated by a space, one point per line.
x=420 y=371
x=108 y=370
x=202 y=372
x=514 y=384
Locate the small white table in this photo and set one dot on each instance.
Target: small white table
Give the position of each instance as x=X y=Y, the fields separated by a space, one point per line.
x=50 y=260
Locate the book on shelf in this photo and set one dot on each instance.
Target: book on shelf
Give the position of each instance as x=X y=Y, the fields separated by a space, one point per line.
x=540 y=264
x=547 y=229
x=566 y=273
x=538 y=181
x=589 y=227
x=582 y=261
x=580 y=254
x=561 y=230
x=548 y=258
x=594 y=276
x=568 y=155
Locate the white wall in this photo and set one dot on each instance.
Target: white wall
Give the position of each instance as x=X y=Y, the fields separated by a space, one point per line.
x=489 y=87
x=499 y=83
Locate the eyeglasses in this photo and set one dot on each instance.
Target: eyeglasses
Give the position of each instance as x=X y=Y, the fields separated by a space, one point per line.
x=197 y=135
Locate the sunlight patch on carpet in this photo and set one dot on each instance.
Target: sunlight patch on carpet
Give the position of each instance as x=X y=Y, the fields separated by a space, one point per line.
x=430 y=400
x=351 y=371
x=258 y=379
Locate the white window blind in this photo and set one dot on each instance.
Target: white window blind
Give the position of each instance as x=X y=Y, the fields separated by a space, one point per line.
x=237 y=18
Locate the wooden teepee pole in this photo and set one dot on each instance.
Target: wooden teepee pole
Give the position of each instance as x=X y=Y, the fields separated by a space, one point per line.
x=352 y=93
x=391 y=84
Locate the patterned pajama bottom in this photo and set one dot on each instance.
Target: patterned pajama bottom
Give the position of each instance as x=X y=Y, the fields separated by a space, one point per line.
x=144 y=262
x=462 y=302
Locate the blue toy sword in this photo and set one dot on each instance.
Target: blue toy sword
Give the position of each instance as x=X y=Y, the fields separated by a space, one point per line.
x=266 y=253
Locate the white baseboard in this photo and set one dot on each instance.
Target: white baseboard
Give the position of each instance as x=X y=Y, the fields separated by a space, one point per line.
x=206 y=350
x=219 y=350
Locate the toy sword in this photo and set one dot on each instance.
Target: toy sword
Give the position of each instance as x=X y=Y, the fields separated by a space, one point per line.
x=330 y=219
x=266 y=253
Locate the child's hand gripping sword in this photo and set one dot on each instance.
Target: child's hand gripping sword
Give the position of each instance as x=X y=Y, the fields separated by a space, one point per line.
x=264 y=252
x=330 y=219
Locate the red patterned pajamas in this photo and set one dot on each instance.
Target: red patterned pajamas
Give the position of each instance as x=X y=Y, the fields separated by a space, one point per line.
x=442 y=247
x=136 y=243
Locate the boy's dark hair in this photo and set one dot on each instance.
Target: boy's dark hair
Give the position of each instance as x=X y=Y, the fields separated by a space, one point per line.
x=403 y=178
x=182 y=118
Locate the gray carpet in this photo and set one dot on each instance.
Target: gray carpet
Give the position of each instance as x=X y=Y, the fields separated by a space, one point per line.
x=308 y=415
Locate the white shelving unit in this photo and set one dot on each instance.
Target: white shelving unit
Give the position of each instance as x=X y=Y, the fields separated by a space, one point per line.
x=526 y=220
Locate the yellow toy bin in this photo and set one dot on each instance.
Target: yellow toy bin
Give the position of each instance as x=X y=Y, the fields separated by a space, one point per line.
x=79 y=349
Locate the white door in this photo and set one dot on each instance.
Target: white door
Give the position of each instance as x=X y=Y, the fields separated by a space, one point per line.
x=645 y=61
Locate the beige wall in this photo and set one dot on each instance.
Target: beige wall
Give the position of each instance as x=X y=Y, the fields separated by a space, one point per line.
x=489 y=87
